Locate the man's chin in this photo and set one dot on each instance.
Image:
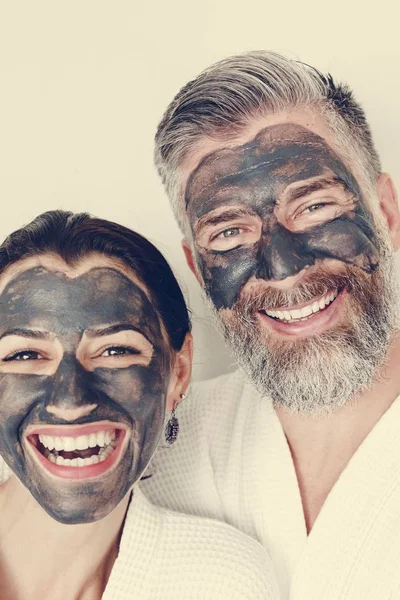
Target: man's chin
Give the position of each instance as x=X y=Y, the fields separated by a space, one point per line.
x=312 y=376
x=316 y=368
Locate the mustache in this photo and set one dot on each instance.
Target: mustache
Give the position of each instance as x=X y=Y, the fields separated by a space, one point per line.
x=318 y=283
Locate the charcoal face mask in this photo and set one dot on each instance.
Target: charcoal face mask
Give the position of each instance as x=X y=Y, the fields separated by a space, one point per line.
x=251 y=178
x=133 y=396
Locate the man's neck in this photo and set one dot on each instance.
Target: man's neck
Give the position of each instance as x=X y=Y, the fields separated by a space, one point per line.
x=41 y=558
x=322 y=446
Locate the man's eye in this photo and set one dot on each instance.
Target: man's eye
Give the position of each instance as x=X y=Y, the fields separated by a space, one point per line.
x=231 y=232
x=24 y=355
x=315 y=207
x=118 y=351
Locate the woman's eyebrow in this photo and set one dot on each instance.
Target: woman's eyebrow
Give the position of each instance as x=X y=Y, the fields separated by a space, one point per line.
x=111 y=329
x=27 y=333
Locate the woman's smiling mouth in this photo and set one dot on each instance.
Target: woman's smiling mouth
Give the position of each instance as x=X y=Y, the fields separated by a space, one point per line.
x=77 y=452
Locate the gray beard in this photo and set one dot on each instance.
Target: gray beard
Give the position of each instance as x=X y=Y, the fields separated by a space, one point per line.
x=318 y=374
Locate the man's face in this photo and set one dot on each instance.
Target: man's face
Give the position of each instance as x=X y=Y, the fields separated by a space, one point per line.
x=283 y=237
x=272 y=207
x=83 y=377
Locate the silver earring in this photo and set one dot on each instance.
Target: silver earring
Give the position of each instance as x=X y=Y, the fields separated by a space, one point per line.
x=172 y=427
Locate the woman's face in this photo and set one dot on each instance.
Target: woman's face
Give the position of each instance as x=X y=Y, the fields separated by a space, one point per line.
x=84 y=372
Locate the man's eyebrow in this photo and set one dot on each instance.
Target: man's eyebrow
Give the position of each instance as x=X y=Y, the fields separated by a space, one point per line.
x=313 y=186
x=27 y=333
x=221 y=217
x=111 y=329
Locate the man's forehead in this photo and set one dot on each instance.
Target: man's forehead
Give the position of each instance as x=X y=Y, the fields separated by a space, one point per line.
x=280 y=150
x=310 y=118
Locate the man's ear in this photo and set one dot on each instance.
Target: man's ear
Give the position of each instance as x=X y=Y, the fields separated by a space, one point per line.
x=389 y=206
x=190 y=260
x=181 y=373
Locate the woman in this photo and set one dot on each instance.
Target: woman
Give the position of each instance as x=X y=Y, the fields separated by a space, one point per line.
x=95 y=346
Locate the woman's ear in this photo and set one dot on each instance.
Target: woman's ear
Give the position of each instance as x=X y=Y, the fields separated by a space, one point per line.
x=181 y=373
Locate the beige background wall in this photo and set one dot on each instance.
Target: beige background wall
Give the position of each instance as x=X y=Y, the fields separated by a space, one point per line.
x=84 y=83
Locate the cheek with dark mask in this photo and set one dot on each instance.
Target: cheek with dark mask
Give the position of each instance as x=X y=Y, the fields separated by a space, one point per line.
x=253 y=180
x=126 y=400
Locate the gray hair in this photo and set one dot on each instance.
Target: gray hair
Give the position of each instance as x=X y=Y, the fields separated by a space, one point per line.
x=220 y=102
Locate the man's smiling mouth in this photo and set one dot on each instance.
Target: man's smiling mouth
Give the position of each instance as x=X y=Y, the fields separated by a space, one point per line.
x=304 y=313
x=81 y=452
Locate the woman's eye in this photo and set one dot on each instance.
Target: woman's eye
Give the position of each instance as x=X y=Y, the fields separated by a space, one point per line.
x=118 y=351
x=23 y=355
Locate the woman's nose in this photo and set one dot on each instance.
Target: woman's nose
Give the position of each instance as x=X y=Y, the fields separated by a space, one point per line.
x=70 y=414
x=70 y=398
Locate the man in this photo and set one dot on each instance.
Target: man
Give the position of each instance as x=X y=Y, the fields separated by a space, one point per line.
x=290 y=227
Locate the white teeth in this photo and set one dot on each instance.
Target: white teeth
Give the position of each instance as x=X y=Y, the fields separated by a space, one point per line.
x=305 y=311
x=47 y=441
x=100 y=438
x=104 y=439
x=81 y=442
x=315 y=307
x=69 y=443
x=302 y=313
x=106 y=453
x=80 y=462
x=92 y=440
x=58 y=443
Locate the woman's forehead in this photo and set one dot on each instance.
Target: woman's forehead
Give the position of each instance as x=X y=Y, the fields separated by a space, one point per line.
x=99 y=297
x=54 y=263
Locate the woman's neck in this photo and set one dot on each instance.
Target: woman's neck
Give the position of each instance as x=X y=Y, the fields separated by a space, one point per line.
x=43 y=559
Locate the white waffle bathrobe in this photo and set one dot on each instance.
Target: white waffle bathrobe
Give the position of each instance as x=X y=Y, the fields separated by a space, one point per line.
x=165 y=555
x=232 y=462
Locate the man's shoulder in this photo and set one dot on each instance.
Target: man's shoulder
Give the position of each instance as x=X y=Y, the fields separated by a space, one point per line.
x=186 y=475
x=176 y=555
x=233 y=380
x=219 y=402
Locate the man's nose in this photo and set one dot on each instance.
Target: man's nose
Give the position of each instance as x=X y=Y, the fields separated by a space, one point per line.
x=70 y=398
x=282 y=258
